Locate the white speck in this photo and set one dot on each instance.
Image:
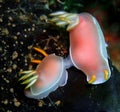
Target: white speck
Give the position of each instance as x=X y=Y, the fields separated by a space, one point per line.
x=16 y=42
x=25 y=35
x=14 y=66
x=25 y=30
x=16 y=102
x=14 y=45
x=33 y=25
x=5 y=58
x=21 y=43
x=5 y=31
x=9 y=70
x=29 y=47
x=9 y=111
x=5 y=101
x=7 y=46
x=18 y=59
x=4 y=69
x=9 y=24
x=14 y=55
x=2 y=88
x=1 y=49
x=44 y=30
x=33 y=28
x=1 y=20
x=15 y=37
x=22 y=54
x=29 y=29
x=10 y=18
x=26 y=64
x=11 y=90
x=13 y=25
x=58 y=102
x=18 y=33
x=41 y=103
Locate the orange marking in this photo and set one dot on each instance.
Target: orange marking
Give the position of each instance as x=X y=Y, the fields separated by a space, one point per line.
x=93 y=78
x=36 y=61
x=41 y=51
x=106 y=74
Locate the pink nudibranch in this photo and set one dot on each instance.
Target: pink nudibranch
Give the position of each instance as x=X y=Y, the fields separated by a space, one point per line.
x=87 y=45
x=49 y=75
x=88 y=49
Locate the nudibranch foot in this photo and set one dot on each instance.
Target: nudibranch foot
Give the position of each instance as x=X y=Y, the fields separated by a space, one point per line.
x=62 y=18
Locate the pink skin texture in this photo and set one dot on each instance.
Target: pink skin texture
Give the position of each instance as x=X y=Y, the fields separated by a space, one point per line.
x=88 y=49
x=51 y=74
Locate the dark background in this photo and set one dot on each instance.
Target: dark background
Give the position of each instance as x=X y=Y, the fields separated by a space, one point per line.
x=24 y=24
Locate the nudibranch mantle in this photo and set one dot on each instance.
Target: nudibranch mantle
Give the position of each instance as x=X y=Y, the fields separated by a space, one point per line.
x=87 y=45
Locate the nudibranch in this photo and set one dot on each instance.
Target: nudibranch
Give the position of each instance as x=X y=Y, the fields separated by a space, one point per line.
x=87 y=45
x=47 y=77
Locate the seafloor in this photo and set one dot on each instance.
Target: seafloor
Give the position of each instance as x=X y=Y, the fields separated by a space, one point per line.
x=25 y=24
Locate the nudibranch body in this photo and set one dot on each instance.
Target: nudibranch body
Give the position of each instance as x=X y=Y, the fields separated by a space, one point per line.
x=87 y=45
x=48 y=76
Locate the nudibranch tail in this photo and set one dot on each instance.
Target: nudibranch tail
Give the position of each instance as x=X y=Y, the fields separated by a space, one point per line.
x=63 y=18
